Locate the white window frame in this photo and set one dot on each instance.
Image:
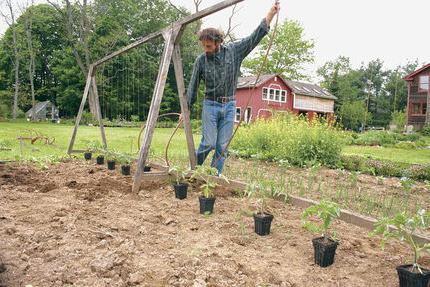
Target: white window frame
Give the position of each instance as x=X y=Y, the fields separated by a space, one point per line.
x=245 y=116
x=265 y=95
x=236 y=120
x=420 y=83
x=268 y=90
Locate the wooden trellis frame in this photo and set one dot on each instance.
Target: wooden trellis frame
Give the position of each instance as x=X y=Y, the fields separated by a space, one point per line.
x=172 y=36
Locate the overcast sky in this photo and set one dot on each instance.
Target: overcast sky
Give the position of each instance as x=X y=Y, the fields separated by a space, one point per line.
x=393 y=30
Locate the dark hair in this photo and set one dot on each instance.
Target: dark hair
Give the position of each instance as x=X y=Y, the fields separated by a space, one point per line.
x=211 y=34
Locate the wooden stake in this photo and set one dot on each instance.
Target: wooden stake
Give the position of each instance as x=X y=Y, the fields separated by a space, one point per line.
x=170 y=37
x=81 y=108
x=179 y=73
x=98 y=110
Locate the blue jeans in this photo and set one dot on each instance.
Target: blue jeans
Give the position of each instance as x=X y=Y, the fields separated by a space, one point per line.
x=217 y=128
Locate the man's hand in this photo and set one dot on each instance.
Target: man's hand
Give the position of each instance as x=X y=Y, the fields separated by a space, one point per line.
x=273 y=11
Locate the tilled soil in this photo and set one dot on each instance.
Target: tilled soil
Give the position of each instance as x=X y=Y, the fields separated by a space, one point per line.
x=78 y=224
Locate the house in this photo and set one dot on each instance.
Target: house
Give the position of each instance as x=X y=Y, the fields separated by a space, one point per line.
x=273 y=93
x=44 y=111
x=418 y=97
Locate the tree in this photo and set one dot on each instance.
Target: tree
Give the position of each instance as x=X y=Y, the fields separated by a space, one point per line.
x=331 y=71
x=290 y=52
x=353 y=114
x=375 y=76
x=10 y=20
x=31 y=62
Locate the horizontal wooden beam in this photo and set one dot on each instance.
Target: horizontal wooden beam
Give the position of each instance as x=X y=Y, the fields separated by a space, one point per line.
x=208 y=11
x=177 y=25
x=135 y=44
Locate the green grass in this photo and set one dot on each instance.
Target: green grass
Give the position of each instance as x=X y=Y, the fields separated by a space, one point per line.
x=125 y=140
x=418 y=156
x=121 y=139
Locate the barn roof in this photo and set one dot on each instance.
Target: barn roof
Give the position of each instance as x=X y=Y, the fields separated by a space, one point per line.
x=299 y=88
x=411 y=76
x=248 y=82
x=307 y=89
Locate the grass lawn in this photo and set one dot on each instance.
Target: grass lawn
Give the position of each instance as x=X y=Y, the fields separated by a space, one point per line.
x=125 y=140
x=121 y=139
x=419 y=156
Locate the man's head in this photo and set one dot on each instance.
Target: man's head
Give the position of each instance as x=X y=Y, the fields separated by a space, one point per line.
x=211 y=40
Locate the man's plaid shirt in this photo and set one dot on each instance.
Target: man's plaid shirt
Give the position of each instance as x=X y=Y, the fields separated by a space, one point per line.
x=221 y=70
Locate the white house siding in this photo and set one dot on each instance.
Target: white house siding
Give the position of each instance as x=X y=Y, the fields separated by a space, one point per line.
x=313 y=104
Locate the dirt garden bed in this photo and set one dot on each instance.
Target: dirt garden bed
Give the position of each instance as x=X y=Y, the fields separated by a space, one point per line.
x=77 y=224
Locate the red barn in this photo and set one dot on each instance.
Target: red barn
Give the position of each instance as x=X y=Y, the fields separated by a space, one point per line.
x=418 y=97
x=273 y=93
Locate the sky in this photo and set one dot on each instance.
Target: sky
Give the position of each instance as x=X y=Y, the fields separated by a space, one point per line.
x=393 y=30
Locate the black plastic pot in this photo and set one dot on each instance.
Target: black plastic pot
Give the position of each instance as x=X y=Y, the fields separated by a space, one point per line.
x=125 y=169
x=180 y=190
x=407 y=278
x=262 y=223
x=206 y=204
x=100 y=159
x=87 y=156
x=111 y=164
x=147 y=168
x=324 y=251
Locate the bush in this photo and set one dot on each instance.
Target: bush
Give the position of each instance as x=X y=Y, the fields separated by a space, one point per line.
x=407 y=137
x=87 y=118
x=399 y=119
x=375 y=138
x=196 y=125
x=4 y=111
x=426 y=130
x=290 y=138
x=385 y=167
x=384 y=138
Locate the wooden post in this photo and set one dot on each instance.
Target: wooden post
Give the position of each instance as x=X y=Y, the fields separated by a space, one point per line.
x=81 y=108
x=170 y=37
x=179 y=74
x=98 y=110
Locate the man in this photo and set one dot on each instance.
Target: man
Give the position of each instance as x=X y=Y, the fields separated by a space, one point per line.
x=219 y=68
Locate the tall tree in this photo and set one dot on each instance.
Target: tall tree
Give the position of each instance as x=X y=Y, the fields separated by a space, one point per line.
x=31 y=62
x=10 y=20
x=375 y=76
x=331 y=71
x=289 y=55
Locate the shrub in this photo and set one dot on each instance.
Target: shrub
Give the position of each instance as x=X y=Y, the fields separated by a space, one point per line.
x=290 y=138
x=87 y=118
x=426 y=130
x=196 y=125
x=375 y=138
x=399 y=119
x=4 y=111
x=385 y=167
x=407 y=137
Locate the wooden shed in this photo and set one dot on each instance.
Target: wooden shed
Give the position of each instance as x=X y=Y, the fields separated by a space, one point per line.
x=44 y=111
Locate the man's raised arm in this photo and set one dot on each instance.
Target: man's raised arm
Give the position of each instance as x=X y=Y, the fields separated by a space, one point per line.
x=246 y=45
